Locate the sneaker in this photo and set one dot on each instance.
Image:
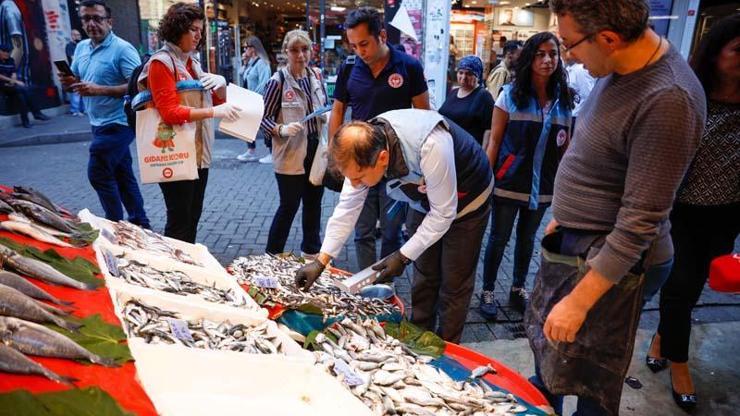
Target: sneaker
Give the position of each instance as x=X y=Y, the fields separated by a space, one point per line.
x=518 y=298
x=488 y=305
x=248 y=156
x=266 y=159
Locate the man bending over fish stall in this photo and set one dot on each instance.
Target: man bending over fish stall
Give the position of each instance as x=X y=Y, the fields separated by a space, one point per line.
x=444 y=175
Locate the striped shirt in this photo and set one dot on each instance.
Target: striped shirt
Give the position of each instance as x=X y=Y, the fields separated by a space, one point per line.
x=273 y=101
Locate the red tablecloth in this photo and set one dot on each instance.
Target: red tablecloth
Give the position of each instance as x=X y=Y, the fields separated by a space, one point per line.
x=119 y=382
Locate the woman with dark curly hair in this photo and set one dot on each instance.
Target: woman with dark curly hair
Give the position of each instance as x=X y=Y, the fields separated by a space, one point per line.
x=183 y=93
x=529 y=132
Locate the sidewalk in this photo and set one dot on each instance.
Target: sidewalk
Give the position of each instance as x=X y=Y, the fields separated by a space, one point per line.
x=60 y=129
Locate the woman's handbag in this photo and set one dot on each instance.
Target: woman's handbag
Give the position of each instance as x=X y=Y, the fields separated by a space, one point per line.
x=321 y=159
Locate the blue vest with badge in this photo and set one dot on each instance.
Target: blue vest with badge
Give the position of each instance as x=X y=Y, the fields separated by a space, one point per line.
x=405 y=178
x=530 y=151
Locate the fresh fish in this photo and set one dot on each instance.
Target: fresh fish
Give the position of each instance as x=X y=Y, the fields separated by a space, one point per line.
x=12 y=361
x=32 y=231
x=43 y=215
x=27 y=288
x=17 y=216
x=5 y=208
x=35 y=196
x=16 y=304
x=38 y=269
x=137 y=238
x=33 y=339
x=481 y=371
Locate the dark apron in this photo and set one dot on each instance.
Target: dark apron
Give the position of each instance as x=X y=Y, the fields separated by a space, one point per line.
x=594 y=366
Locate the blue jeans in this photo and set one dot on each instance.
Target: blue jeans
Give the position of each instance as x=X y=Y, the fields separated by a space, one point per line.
x=376 y=206
x=76 y=105
x=655 y=276
x=502 y=223
x=111 y=174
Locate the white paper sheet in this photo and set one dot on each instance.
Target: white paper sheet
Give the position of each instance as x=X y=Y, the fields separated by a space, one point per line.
x=248 y=123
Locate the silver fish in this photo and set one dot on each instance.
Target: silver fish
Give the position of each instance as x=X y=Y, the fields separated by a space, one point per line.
x=33 y=339
x=481 y=371
x=12 y=361
x=35 y=196
x=43 y=215
x=27 y=288
x=16 y=304
x=137 y=238
x=32 y=231
x=5 y=208
x=38 y=269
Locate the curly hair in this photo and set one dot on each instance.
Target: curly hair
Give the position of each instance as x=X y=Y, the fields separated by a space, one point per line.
x=176 y=22
x=522 y=90
x=704 y=60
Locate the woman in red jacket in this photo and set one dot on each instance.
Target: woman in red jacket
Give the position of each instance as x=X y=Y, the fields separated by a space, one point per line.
x=171 y=76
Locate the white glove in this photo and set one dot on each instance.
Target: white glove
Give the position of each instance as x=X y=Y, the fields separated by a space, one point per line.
x=228 y=111
x=212 y=81
x=290 y=130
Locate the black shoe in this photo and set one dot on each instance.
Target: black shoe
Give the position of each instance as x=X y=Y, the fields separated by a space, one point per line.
x=686 y=402
x=26 y=124
x=488 y=305
x=41 y=116
x=518 y=298
x=655 y=364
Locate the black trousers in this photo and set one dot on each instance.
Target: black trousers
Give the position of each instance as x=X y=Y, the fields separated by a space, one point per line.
x=293 y=190
x=22 y=97
x=699 y=233
x=444 y=275
x=184 y=201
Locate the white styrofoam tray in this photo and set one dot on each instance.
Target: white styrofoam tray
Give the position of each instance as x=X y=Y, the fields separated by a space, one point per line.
x=197 y=251
x=218 y=279
x=188 y=310
x=188 y=382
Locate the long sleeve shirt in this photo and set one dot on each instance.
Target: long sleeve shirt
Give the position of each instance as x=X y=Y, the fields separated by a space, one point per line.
x=161 y=82
x=438 y=169
x=273 y=103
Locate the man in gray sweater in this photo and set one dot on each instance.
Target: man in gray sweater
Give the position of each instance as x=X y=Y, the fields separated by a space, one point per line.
x=609 y=243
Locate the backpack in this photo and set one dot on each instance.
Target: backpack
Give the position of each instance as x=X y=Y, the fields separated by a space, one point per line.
x=131 y=91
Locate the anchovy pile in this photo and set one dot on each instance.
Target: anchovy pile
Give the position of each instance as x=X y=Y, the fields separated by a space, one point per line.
x=137 y=238
x=391 y=379
x=331 y=300
x=177 y=282
x=158 y=326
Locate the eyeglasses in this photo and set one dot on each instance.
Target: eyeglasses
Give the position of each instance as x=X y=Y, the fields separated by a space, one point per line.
x=95 y=18
x=567 y=48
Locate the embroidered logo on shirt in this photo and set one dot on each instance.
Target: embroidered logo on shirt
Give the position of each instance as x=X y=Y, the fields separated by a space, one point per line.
x=562 y=137
x=289 y=95
x=395 y=80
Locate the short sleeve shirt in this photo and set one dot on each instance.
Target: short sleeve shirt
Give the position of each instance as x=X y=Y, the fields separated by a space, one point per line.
x=109 y=63
x=401 y=80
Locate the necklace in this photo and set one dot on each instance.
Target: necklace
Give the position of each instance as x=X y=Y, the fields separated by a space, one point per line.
x=653 y=55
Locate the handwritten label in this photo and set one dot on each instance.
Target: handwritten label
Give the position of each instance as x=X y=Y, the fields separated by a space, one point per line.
x=180 y=329
x=108 y=235
x=266 y=282
x=111 y=262
x=350 y=377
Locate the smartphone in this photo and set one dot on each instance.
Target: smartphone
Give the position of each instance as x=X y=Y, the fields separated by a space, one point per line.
x=64 y=68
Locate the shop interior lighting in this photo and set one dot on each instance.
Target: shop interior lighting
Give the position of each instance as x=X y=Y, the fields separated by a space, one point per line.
x=338 y=9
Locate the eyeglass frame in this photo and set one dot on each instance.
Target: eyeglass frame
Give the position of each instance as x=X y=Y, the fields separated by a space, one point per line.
x=567 y=48
x=94 y=18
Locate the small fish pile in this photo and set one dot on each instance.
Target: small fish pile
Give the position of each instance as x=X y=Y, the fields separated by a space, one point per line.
x=391 y=379
x=137 y=238
x=177 y=282
x=32 y=214
x=158 y=326
x=275 y=277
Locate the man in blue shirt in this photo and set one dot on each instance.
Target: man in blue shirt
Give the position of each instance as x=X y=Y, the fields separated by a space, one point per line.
x=383 y=79
x=102 y=66
x=14 y=88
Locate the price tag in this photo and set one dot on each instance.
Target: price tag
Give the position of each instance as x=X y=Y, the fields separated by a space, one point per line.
x=350 y=377
x=108 y=235
x=111 y=262
x=180 y=329
x=266 y=282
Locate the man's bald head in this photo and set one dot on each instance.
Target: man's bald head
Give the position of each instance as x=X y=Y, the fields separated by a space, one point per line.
x=359 y=142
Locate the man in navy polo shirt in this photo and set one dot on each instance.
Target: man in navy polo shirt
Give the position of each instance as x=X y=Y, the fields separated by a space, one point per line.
x=383 y=79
